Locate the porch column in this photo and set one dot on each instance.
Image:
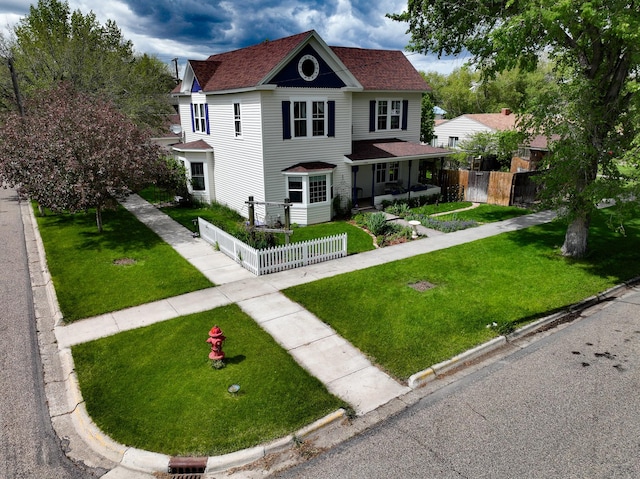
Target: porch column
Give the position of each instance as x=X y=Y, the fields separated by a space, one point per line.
x=354 y=190
x=373 y=185
x=409 y=182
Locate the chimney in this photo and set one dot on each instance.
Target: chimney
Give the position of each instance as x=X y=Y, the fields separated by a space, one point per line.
x=506 y=111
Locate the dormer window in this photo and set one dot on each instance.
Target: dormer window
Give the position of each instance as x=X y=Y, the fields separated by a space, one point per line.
x=308 y=67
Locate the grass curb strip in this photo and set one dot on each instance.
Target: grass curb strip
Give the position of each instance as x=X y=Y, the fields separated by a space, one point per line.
x=572 y=312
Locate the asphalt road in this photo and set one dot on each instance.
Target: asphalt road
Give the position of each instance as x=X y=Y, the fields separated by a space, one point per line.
x=29 y=448
x=566 y=406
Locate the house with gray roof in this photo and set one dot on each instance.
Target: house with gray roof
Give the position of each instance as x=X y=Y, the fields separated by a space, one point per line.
x=295 y=118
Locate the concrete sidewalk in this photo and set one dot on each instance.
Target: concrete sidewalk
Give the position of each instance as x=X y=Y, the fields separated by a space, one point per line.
x=349 y=375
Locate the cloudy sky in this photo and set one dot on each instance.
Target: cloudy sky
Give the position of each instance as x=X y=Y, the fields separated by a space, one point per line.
x=195 y=29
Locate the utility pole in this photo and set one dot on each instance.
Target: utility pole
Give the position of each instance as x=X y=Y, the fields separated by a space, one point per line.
x=175 y=63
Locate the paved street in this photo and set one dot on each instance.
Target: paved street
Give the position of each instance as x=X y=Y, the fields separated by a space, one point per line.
x=566 y=406
x=29 y=448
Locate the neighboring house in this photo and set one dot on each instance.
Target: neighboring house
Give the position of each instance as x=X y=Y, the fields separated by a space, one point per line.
x=451 y=133
x=294 y=118
x=530 y=156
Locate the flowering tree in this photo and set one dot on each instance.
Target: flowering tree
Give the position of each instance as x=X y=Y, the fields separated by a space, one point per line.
x=73 y=151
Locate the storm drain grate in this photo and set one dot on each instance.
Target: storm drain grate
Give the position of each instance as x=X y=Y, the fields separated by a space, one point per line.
x=187 y=467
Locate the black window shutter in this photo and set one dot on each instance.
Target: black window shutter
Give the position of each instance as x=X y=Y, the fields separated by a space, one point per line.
x=405 y=113
x=372 y=115
x=206 y=117
x=193 y=120
x=286 y=120
x=331 y=105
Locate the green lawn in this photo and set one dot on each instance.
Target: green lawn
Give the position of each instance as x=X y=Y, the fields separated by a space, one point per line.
x=358 y=240
x=508 y=279
x=154 y=388
x=486 y=213
x=125 y=265
x=228 y=220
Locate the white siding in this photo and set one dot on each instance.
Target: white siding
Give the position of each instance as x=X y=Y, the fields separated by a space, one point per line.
x=280 y=154
x=462 y=127
x=361 y=103
x=238 y=161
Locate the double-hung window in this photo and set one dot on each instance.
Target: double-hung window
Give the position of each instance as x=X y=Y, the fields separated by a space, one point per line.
x=197 y=176
x=309 y=118
x=453 y=142
x=299 y=118
x=389 y=114
x=394 y=168
x=199 y=118
x=237 y=119
x=318 y=116
x=294 y=186
x=381 y=173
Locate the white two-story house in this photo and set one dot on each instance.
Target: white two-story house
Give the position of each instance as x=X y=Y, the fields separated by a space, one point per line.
x=296 y=119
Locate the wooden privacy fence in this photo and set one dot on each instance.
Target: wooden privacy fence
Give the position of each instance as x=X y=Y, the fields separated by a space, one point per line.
x=278 y=258
x=493 y=187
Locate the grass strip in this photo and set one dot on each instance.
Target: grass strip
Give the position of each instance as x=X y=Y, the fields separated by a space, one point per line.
x=125 y=265
x=486 y=214
x=509 y=279
x=155 y=389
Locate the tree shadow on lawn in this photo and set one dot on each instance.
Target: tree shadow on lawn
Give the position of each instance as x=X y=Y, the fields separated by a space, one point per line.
x=121 y=230
x=610 y=253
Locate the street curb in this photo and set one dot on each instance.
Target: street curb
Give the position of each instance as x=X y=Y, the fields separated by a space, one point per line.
x=129 y=458
x=420 y=378
x=425 y=376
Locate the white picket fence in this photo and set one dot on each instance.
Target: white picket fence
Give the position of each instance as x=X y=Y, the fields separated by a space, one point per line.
x=278 y=258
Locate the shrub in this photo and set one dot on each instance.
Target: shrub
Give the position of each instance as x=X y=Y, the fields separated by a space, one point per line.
x=376 y=223
x=446 y=226
x=400 y=209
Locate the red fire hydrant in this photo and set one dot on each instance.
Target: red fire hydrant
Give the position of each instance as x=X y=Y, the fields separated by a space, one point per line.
x=216 y=338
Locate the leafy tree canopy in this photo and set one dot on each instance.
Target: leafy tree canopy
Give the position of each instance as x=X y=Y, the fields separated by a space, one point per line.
x=464 y=90
x=595 y=47
x=52 y=44
x=74 y=151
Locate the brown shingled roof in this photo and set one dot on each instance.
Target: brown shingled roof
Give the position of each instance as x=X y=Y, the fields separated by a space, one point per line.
x=248 y=66
x=495 y=121
x=381 y=69
x=309 y=167
x=193 y=145
x=393 y=148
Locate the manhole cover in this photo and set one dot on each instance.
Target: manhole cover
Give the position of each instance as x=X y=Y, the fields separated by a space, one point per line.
x=124 y=261
x=422 y=286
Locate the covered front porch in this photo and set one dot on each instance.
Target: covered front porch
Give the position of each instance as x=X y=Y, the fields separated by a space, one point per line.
x=389 y=170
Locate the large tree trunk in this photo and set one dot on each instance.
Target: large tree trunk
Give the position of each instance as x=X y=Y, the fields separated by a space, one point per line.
x=575 y=239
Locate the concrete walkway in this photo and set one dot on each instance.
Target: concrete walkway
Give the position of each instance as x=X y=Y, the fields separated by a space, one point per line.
x=349 y=375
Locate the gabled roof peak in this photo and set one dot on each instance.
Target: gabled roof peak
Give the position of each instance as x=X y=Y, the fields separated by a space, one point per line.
x=250 y=67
